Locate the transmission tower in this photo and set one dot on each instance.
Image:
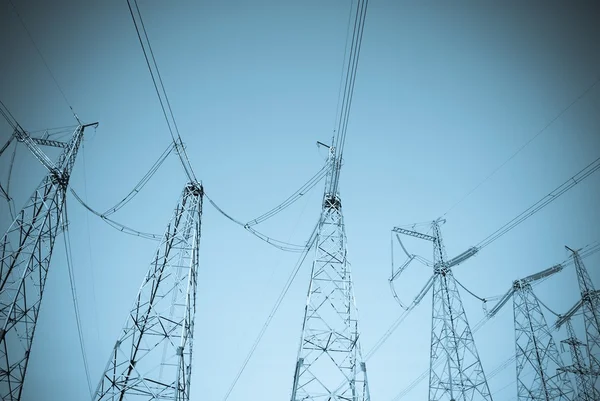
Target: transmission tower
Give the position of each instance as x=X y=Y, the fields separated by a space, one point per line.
x=540 y=373
x=539 y=377
x=330 y=364
x=590 y=303
x=25 y=254
x=459 y=376
x=583 y=376
x=152 y=358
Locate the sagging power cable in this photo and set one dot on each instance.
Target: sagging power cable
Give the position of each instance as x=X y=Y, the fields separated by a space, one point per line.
x=286 y=287
x=116 y=225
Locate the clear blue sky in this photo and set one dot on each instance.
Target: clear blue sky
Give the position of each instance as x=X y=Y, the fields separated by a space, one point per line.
x=444 y=95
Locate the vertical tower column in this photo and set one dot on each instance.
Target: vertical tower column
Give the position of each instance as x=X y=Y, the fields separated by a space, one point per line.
x=583 y=376
x=455 y=368
x=539 y=377
x=590 y=303
x=152 y=358
x=330 y=364
x=25 y=253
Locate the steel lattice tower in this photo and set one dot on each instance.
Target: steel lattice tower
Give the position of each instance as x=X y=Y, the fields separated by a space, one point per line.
x=456 y=373
x=539 y=377
x=583 y=375
x=330 y=364
x=152 y=358
x=25 y=254
x=590 y=302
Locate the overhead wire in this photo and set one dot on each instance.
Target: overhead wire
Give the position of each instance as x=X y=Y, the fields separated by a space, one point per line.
x=536 y=207
x=348 y=93
x=116 y=225
x=276 y=306
x=156 y=80
x=39 y=52
x=552 y=121
x=143 y=181
x=314 y=180
x=69 y=260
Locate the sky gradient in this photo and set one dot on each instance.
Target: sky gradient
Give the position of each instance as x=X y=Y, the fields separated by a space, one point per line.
x=445 y=93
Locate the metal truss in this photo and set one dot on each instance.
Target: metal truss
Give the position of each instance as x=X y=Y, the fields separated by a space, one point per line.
x=152 y=358
x=590 y=303
x=456 y=373
x=330 y=364
x=539 y=373
x=583 y=376
x=25 y=253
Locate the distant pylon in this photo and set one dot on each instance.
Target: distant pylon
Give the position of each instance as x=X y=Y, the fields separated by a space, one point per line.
x=329 y=364
x=25 y=253
x=583 y=376
x=152 y=358
x=459 y=375
x=539 y=377
x=590 y=303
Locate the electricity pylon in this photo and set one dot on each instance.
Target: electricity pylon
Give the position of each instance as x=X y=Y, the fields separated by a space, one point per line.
x=329 y=364
x=455 y=371
x=590 y=303
x=152 y=358
x=539 y=374
x=460 y=377
x=583 y=376
x=25 y=253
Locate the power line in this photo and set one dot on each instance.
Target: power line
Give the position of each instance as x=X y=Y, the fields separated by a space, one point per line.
x=69 y=259
x=156 y=80
x=278 y=302
x=116 y=225
x=536 y=207
x=552 y=121
x=43 y=60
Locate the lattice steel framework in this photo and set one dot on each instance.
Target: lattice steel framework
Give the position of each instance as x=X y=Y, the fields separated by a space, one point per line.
x=330 y=364
x=25 y=254
x=456 y=373
x=583 y=376
x=590 y=303
x=152 y=358
x=539 y=377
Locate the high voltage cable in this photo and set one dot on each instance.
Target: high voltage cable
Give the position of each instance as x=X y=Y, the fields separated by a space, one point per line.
x=552 y=121
x=43 y=59
x=557 y=192
x=348 y=94
x=278 y=302
x=116 y=225
x=143 y=181
x=69 y=259
x=156 y=80
x=292 y=198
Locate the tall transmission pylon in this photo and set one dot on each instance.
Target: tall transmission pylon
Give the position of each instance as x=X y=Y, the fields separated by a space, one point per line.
x=329 y=364
x=455 y=371
x=539 y=374
x=590 y=304
x=584 y=377
x=540 y=370
x=460 y=377
x=152 y=358
x=25 y=254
